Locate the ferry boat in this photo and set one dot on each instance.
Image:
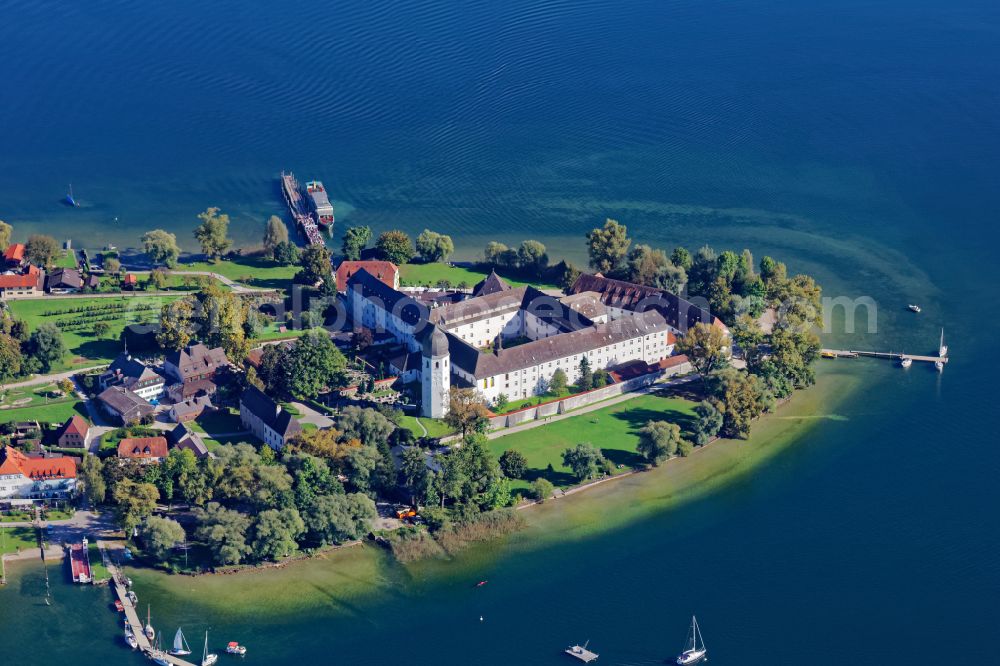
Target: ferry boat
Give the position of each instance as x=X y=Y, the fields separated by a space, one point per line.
x=913 y=308
x=695 y=650
x=236 y=648
x=320 y=202
x=906 y=361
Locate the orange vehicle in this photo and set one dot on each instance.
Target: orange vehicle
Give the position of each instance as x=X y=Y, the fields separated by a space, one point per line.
x=403 y=514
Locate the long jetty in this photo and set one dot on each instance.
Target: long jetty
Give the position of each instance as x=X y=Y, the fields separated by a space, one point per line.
x=135 y=624
x=895 y=356
x=300 y=212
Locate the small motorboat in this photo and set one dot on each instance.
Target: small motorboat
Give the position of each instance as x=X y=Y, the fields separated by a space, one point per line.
x=133 y=597
x=236 y=648
x=119 y=606
x=481 y=583
x=939 y=366
x=581 y=652
x=906 y=361
x=913 y=308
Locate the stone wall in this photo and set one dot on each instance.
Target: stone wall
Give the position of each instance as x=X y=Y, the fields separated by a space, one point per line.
x=579 y=400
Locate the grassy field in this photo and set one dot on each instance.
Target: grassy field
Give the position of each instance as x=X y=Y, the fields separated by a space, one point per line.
x=54 y=412
x=76 y=322
x=253 y=271
x=97 y=568
x=429 y=275
x=67 y=260
x=13 y=539
x=613 y=429
x=435 y=427
x=218 y=422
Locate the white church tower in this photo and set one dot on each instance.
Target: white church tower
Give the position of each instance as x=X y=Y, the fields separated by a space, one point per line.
x=435 y=373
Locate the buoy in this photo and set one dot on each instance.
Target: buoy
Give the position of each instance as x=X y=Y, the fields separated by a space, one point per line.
x=480 y=618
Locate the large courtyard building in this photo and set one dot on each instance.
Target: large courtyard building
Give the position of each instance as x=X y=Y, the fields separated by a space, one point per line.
x=512 y=341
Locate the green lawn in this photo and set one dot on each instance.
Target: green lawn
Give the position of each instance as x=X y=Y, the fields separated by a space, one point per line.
x=435 y=427
x=218 y=422
x=67 y=260
x=54 y=412
x=429 y=275
x=13 y=539
x=75 y=317
x=32 y=396
x=97 y=568
x=613 y=429
x=253 y=271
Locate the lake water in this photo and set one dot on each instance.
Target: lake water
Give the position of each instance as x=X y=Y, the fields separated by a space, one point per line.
x=859 y=142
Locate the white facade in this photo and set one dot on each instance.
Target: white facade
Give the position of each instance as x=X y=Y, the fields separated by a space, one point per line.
x=20 y=486
x=435 y=385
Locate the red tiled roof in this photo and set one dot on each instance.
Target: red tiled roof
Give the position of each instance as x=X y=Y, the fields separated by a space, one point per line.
x=31 y=278
x=14 y=252
x=385 y=271
x=15 y=462
x=130 y=278
x=142 y=447
x=76 y=425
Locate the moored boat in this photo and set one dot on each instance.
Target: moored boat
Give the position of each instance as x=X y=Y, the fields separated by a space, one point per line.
x=70 y=201
x=913 y=308
x=939 y=366
x=694 y=649
x=130 y=637
x=180 y=647
x=236 y=648
x=149 y=631
x=942 y=347
x=319 y=200
x=207 y=659
x=906 y=361
x=581 y=653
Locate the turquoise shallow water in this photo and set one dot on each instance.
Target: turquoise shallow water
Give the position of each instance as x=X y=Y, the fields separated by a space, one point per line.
x=858 y=142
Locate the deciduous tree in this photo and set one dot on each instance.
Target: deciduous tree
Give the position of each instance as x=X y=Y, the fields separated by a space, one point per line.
x=466 y=407
x=433 y=246
x=275 y=233
x=706 y=347
x=608 y=246
x=658 y=440
x=395 y=246
x=513 y=463
x=134 y=502
x=213 y=233
x=161 y=247
x=275 y=532
x=41 y=250
x=46 y=346
x=224 y=531
x=161 y=535
x=532 y=257
x=355 y=240
x=585 y=461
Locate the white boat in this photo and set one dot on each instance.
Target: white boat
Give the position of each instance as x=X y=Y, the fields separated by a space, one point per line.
x=132 y=597
x=906 y=361
x=581 y=653
x=939 y=366
x=158 y=656
x=913 y=308
x=130 y=638
x=149 y=631
x=180 y=647
x=942 y=347
x=236 y=648
x=694 y=649
x=206 y=658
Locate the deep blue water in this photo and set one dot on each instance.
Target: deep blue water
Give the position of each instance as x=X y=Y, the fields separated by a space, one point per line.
x=859 y=141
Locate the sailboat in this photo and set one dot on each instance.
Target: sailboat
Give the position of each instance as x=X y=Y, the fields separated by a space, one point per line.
x=206 y=658
x=157 y=655
x=180 y=647
x=942 y=347
x=150 y=632
x=695 y=650
x=70 y=201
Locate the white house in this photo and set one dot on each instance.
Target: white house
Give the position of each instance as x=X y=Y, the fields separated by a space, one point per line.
x=266 y=419
x=36 y=477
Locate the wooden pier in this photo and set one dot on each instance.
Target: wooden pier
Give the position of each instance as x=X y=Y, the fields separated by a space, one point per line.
x=894 y=356
x=300 y=212
x=135 y=623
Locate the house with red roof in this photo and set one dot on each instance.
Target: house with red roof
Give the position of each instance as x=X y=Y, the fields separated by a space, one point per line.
x=20 y=285
x=130 y=281
x=24 y=476
x=385 y=271
x=74 y=433
x=143 y=449
x=13 y=256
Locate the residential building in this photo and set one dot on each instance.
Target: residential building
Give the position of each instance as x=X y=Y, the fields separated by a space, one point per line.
x=190 y=409
x=122 y=404
x=13 y=256
x=130 y=281
x=144 y=449
x=384 y=271
x=184 y=438
x=74 y=433
x=194 y=362
x=64 y=281
x=134 y=375
x=26 y=476
x=22 y=285
x=266 y=419
x=491 y=284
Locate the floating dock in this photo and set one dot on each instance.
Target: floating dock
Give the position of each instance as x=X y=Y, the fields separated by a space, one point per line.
x=895 y=356
x=135 y=624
